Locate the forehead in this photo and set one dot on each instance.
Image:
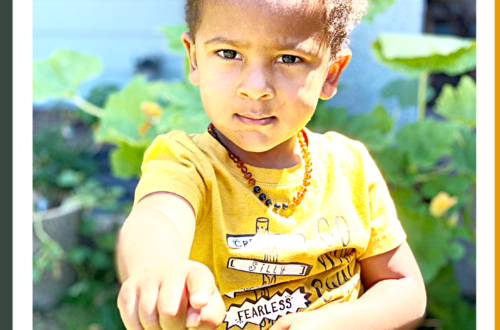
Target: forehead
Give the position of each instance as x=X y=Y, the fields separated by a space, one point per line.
x=266 y=21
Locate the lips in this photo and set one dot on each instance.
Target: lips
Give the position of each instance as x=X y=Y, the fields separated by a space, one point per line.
x=255 y=119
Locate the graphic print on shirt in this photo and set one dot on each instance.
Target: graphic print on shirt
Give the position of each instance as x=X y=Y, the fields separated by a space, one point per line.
x=266 y=308
x=269 y=266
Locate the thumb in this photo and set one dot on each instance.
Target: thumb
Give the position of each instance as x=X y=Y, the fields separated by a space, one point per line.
x=200 y=284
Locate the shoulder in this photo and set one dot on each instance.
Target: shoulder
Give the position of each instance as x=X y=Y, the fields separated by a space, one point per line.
x=338 y=145
x=173 y=143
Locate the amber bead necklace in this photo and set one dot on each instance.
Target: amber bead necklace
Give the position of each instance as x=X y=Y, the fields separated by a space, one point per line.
x=295 y=201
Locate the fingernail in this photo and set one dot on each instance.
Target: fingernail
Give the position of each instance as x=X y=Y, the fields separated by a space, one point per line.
x=192 y=318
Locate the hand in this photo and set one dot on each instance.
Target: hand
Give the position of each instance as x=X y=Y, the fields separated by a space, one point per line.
x=171 y=295
x=310 y=320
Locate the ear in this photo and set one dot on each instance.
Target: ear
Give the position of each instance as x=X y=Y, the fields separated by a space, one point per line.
x=332 y=78
x=188 y=42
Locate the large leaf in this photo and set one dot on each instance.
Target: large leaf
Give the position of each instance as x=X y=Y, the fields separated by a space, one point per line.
x=414 y=54
x=59 y=76
x=464 y=151
x=454 y=185
x=123 y=116
x=458 y=104
x=370 y=128
x=376 y=7
x=126 y=160
x=184 y=110
x=428 y=237
x=445 y=303
x=426 y=142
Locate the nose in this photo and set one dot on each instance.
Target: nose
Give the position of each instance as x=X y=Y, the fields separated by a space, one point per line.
x=256 y=84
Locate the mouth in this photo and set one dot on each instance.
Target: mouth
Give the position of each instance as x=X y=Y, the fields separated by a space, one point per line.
x=253 y=119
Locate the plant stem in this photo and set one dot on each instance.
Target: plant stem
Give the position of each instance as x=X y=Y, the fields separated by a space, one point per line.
x=88 y=107
x=422 y=95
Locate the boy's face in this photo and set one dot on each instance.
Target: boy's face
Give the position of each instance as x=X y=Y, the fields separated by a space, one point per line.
x=261 y=66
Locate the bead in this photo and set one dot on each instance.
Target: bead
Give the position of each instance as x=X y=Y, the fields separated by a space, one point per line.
x=306 y=156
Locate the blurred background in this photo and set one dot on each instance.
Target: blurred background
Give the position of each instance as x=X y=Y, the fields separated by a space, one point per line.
x=110 y=75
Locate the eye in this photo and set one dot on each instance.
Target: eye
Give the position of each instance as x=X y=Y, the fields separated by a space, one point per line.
x=228 y=54
x=289 y=59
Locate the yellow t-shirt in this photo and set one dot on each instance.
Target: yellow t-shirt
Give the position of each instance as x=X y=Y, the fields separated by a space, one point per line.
x=266 y=263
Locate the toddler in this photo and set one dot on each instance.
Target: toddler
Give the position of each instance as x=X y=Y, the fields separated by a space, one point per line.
x=259 y=223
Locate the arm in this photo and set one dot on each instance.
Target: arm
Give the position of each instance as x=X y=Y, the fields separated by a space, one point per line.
x=160 y=228
x=161 y=287
x=395 y=298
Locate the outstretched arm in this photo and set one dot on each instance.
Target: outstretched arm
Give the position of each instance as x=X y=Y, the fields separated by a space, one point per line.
x=395 y=298
x=161 y=288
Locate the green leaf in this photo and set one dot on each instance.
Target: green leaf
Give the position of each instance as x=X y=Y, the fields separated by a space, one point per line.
x=445 y=303
x=429 y=238
x=184 y=110
x=123 y=116
x=79 y=254
x=426 y=142
x=126 y=160
x=100 y=260
x=328 y=119
x=464 y=151
x=414 y=54
x=458 y=104
x=456 y=250
x=370 y=128
x=59 y=76
x=376 y=7
x=69 y=178
x=173 y=35
x=106 y=242
x=454 y=185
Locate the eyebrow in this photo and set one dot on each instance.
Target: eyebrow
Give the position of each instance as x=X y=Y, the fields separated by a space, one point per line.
x=223 y=40
x=297 y=46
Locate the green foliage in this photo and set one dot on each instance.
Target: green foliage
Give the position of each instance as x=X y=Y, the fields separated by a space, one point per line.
x=57 y=167
x=376 y=7
x=444 y=302
x=374 y=128
x=414 y=54
x=404 y=92
x=60 y=76
x=458 y=104
x=425 y=142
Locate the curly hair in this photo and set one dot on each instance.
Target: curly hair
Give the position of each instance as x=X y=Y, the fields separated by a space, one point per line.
x=341 y=16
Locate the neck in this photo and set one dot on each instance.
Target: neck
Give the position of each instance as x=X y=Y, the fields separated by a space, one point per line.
x=284 y=155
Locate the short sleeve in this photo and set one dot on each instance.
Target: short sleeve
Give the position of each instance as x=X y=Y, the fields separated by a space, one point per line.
x=170 y=164
x=386 y=231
